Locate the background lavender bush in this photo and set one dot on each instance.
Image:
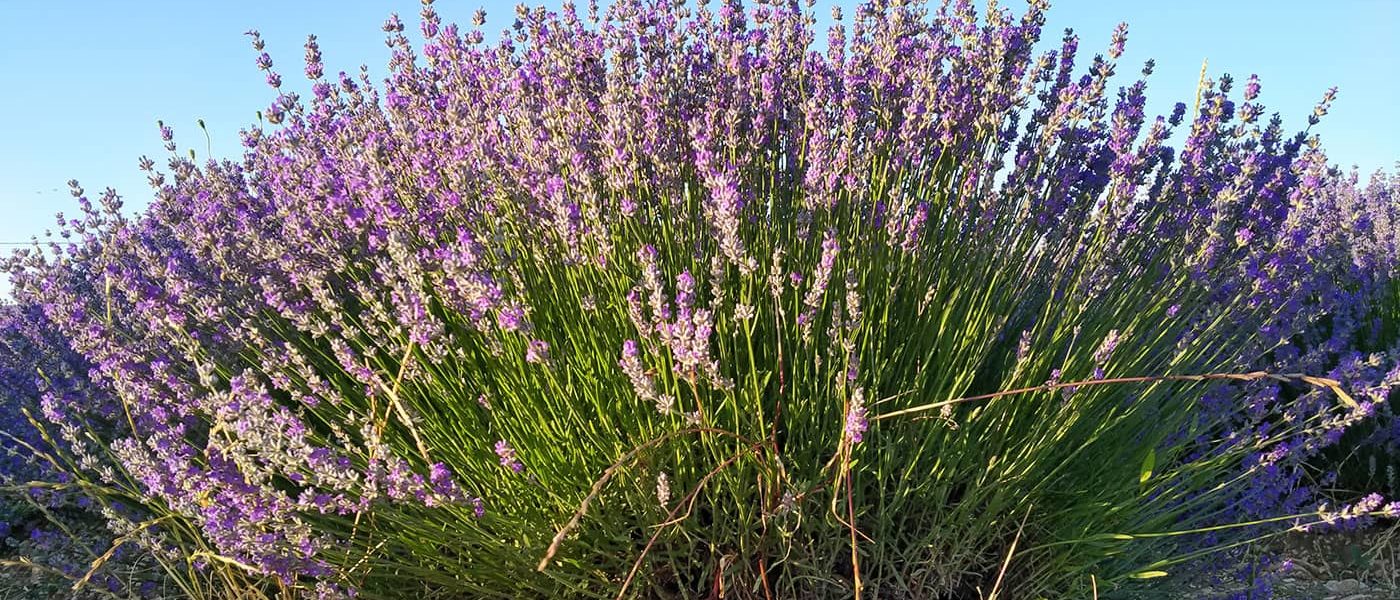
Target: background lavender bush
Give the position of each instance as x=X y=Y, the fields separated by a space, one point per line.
x=56 y=529
x=663 y=300
x=1367 y=458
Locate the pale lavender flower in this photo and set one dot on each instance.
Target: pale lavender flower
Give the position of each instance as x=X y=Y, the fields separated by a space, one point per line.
x=1104 y=352
x=856 y=420
x=663 y=489
x=506 y=453
x=1391 y=510
x=1251 y=88
x=537 y=352
x=775 y=274
x=314 y=68
x=787 y=503
x=652 y=284
x=666 y=403
x=512 y=318
x=1120 y=36
x=636 y=311
x=631 y=364
x=821 y=278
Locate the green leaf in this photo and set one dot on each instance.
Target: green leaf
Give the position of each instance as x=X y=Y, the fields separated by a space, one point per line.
x=1147 y=465
x=1148 y=574
x=1107 y=537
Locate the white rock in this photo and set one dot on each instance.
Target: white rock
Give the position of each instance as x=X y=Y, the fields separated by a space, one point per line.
x=1344 y=586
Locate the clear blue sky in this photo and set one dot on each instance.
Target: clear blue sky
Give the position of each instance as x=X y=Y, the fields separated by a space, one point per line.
x=86 y=81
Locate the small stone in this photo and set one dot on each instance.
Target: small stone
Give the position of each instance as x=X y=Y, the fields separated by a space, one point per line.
x=1344 y=586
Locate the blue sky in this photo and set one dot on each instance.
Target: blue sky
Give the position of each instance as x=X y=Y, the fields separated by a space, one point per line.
x=86 y=81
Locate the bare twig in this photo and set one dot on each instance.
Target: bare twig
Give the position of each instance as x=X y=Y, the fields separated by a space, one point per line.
x=117 y=543
x=1009 y=553
x=607 y=475
x=670 y=516
x=1331 y=384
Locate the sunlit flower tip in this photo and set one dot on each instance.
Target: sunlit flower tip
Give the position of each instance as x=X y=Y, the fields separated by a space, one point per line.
x=787 y=503
x=1106 y=348
x=537 y=352
x=484 y=401
x=856 y=421
x=512 y=318
x=314 y=68
x=1243 y=236
x=743 y=312
x=506 y=453
x=1120 y=37
x=1365 y=410
x=393 y=24
x=1023 y=346
x=1251 y=88
x=663 y=488
x=666 y=403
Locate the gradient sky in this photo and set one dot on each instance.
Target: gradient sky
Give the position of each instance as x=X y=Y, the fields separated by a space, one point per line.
x=87 y=80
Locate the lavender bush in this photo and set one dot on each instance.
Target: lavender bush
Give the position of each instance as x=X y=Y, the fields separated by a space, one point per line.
x=61 y=536
x=1370 y=211
x=664 y=300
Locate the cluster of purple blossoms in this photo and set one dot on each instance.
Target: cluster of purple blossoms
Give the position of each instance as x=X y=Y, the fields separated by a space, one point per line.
x=507 y=455
x=682 y=327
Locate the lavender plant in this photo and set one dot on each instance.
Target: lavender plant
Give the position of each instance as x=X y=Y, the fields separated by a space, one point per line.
x=1365 y=460
x=61 y=536
x=664 y=300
